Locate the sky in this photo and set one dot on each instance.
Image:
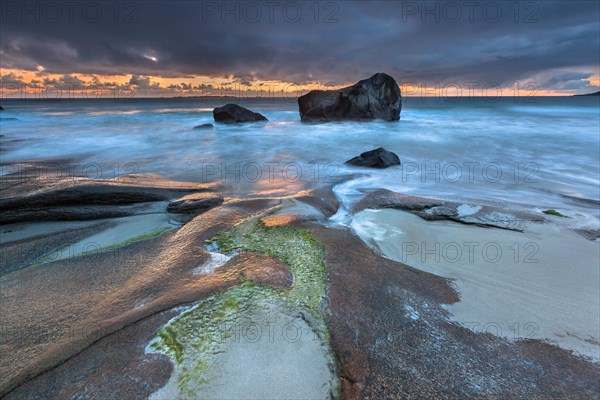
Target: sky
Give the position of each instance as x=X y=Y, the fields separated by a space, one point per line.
x=285 y=48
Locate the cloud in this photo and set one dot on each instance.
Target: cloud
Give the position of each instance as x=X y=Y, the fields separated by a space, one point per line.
x=143 y=82
x=566 y=81
x=336 y=42
x=12 y=80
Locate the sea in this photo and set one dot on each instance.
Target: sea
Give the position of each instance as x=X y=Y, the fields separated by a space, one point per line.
x=535 y=152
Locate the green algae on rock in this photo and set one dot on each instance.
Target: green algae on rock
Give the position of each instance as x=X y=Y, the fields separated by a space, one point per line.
x=197 y=339
x=555 y=213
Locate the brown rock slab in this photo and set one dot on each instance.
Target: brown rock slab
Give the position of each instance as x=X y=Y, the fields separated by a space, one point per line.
x=194 y=203
x=323 y=199
x=102 y=293
x=25 y=197
x=260 y=268
x=279 y=219
x=394 y=340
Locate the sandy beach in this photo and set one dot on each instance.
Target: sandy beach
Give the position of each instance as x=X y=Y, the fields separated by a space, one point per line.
x=540 y=283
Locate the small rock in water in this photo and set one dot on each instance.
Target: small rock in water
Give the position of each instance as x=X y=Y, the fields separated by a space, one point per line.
x=378 y=158
x=204 y=126
x=1 y=109
x=196 y=202
x=232 y=113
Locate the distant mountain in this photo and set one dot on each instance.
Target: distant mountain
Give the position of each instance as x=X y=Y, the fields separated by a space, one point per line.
x=589 y=94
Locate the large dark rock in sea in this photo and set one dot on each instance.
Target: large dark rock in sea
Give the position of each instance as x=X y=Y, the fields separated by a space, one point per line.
x=232 y=113
x=378 y=158
x=1 y=109
x=375 y=98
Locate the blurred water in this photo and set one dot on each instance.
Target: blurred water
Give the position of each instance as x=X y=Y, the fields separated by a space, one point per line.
x=509 y=150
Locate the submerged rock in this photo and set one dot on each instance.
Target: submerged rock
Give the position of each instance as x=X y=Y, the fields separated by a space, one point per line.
x=194 y=203
x=204 y=126
x=232 y=113
x=378 y=158
x=590 y=234
x=375 y=98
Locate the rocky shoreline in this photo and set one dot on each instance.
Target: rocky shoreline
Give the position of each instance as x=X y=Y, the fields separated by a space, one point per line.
x=80 y=325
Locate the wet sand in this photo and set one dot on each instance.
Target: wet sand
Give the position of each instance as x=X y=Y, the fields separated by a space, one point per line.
x=542 y=283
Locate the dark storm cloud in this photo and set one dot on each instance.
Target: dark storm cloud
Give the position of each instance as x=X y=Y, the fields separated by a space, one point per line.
x=298 y=42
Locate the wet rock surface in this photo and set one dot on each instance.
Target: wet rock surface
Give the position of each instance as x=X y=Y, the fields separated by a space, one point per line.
x=194 y=203
x=323 y=199
x=67 y=213
x=26 y=198
x=22 y=253
x=103 y=292
x=393 y=338
x=484 y=215
x=115 y=364
x=260 y=268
